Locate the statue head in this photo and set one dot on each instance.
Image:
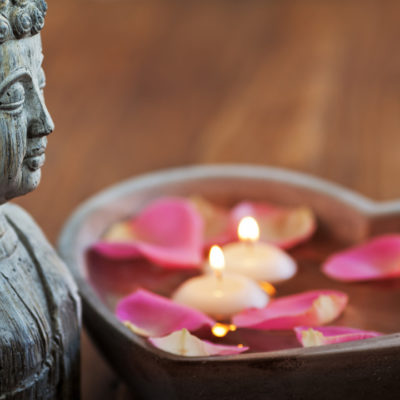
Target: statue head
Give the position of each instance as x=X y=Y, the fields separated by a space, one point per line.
x=24 y=119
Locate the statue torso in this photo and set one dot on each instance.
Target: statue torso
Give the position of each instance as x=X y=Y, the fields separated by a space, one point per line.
x=39 y=313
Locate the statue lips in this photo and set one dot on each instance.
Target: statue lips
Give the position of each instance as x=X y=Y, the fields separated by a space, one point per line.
x=35 y=157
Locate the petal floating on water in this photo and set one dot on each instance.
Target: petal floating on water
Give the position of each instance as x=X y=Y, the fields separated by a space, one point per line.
x=319 y=336
x=169 y=232
x=379 y=258
x=217 y=222
x=313 y=308
x=182 y=343
x=149 y=314
x=282 y=226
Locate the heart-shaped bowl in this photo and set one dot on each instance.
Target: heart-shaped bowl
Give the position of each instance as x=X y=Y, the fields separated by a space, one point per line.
x=365 y=369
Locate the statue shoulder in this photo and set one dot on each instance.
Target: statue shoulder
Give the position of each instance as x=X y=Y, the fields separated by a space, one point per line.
x=35 y=241
x=24 y=222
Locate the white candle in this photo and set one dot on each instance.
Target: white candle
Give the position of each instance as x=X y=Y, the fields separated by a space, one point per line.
x=259 y=261
x=220 y=294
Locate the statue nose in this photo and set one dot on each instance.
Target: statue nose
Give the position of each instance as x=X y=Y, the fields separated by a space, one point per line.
x=41 y=123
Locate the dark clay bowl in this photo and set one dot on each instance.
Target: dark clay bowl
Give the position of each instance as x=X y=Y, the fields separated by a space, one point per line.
x=366 y=369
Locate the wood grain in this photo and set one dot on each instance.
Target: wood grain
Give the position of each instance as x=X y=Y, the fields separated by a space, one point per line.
x=136 y=86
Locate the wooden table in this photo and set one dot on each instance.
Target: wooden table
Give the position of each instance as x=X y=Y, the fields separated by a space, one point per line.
x=135 y=86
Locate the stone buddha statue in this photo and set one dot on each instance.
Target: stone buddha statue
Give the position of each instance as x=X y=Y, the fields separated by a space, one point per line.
x=39 y=306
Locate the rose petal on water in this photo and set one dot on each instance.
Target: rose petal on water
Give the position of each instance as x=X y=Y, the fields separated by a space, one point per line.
x=283 y=226
x=169 y=232
x=312 y=308
x=149 y=314
x=319 y=336
x=376 y=259
x=182 y=343
x=216 y=219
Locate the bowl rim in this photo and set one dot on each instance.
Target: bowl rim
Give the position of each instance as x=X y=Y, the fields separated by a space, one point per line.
x=368 y=208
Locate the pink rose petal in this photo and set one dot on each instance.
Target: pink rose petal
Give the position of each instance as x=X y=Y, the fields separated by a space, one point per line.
x=311 y=308
x=116 y=250
x=182 y=343
x=217 y=222
x=154 y=315
x=377 y=259
x=281 y=226
x=330 y=335
x=169 y=232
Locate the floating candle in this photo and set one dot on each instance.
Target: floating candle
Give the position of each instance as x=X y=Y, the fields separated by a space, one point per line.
x=259 y=261
x=220 y=294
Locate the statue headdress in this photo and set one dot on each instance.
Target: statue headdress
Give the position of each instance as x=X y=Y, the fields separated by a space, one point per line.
x=21 y=18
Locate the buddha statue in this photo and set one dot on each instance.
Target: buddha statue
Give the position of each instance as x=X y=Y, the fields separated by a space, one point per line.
x=39 y=306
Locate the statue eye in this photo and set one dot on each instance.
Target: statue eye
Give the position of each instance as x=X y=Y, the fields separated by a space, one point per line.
x=13 y=98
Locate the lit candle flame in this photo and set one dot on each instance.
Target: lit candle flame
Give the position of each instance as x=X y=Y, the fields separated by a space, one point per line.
x=248 y=230
x=217 y=260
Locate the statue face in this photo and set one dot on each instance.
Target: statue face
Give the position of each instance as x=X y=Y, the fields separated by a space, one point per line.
x=24 y=119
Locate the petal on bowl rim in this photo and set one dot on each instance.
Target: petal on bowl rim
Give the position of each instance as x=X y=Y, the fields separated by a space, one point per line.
x=284 y=227
x=318 y=336
x=168 y=232
x=148 y=314
x=311 y=308
x=376 y=259
x=185 y=344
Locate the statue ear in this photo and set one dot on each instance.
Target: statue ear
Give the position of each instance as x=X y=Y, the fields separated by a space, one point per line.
x=5 y=30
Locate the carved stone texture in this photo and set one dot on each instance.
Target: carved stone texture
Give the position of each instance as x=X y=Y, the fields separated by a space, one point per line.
x=39 y=306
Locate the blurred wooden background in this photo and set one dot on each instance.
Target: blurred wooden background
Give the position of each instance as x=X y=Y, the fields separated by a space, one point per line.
x=135 y=86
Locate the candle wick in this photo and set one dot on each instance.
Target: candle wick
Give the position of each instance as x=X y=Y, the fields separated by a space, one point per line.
x=250 y=244
x=218 y=274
